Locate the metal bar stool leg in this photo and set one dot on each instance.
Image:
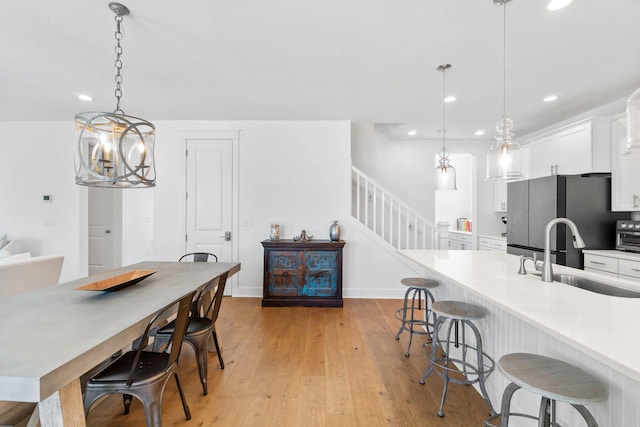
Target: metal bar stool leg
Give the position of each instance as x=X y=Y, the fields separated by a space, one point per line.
x=404 y=314
x=446 y=369
x=591 y=422
x=434 y=344
x=480 y=361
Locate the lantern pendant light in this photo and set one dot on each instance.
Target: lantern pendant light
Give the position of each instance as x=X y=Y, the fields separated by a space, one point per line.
x=504 y=159
x=114 y=150
x=445 y=173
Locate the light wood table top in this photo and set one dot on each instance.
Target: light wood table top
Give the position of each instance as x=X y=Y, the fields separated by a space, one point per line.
x=52 y=336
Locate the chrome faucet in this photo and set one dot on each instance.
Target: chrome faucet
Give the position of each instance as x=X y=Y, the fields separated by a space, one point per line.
x=547 y=271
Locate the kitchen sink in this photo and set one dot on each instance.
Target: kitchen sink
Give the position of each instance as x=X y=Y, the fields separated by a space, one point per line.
x=595 y=286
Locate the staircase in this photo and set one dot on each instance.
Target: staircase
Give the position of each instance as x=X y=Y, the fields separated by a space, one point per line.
x=388 y=217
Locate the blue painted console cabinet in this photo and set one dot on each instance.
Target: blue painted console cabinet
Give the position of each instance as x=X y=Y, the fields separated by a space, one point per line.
x=302 y=273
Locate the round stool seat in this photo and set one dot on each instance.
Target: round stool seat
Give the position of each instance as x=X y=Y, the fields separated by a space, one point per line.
x=419 y=282
x=552 y=378
x=458 y=310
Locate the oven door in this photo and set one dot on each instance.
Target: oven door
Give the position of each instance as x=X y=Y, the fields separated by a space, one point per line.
x=628 y=240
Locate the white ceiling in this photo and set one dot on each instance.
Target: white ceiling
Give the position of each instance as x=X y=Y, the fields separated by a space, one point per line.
x=362 y=60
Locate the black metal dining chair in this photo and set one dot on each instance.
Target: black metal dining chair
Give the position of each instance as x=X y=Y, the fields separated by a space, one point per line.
x=201 y=327
x=199 y=257
x=142 y=373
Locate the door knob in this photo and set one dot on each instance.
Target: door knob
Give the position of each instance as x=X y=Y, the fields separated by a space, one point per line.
x=107 y=231
x=227 y=236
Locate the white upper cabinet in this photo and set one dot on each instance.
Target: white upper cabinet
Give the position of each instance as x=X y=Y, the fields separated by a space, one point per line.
x=542 y=157
x=583 y=147
x=500 y=196
x=625 y=173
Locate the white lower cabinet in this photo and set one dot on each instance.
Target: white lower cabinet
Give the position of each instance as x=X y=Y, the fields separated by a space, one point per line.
x=628 y=268
x=613 y=265
x=484 y=244
x=460 y=240
x=491 y=244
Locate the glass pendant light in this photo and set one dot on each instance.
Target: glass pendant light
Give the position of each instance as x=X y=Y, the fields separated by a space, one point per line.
x=112 y=149
x=504 y=159
x=633 y=121
x=445 y=173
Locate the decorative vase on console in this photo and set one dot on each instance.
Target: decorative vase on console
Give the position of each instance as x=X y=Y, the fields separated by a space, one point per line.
x=334 y=231
x=275 y=232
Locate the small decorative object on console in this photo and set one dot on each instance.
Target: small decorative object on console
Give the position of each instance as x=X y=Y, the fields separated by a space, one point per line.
x=334 y=231
x=303 y=237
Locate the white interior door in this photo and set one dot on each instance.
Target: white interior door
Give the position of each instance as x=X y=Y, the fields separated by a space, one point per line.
x=105 y=208
x=210 y=197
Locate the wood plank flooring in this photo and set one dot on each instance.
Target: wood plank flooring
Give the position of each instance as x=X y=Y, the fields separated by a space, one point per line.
x=298 y=366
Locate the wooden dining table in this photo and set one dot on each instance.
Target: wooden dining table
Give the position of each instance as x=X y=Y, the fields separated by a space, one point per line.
x=50 y=337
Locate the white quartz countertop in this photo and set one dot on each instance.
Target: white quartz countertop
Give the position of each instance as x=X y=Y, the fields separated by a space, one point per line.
x=468 y=233
x=494 y=237
x=612 y=253
x=601 y=326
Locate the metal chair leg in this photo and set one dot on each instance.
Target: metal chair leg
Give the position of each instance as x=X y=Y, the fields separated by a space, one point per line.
x=215 y=342
x=187 y=412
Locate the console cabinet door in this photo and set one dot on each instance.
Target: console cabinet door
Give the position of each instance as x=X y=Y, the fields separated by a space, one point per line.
x=321 y=272
x=283 y=273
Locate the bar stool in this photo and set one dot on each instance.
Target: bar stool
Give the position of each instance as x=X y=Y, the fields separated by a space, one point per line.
x=554 y=380
x=417 y=299
x=474 y=371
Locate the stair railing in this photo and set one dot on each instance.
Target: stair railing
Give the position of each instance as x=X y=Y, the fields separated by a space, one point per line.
x=388 y=217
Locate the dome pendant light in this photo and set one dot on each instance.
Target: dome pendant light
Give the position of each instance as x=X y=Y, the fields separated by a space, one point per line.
x=504 y=159
x=112 y=149
x=445 y=173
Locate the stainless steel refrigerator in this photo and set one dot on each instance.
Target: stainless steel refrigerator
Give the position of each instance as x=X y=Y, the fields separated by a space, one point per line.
x=586 y=200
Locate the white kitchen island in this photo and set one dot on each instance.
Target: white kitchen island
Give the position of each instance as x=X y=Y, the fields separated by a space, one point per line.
x=596 y=332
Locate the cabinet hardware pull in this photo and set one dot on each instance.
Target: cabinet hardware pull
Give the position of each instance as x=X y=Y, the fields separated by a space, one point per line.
x=635 y=269
x=635 y=201
x=597 y=262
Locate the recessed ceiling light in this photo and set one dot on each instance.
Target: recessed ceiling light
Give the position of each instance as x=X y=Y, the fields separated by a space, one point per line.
x=550 y=98
x=412 y=132
x=450 y=99
x=84 y=97
x=557 y=4
x=479 y=132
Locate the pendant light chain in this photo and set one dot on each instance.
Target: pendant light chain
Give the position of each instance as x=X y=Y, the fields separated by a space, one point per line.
x=111 y=149
x=118 y=63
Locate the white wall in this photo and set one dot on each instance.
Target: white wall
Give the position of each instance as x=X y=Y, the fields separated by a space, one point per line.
x=451 y=205
x=296 y=173
x=406 y=169
x=36 y=159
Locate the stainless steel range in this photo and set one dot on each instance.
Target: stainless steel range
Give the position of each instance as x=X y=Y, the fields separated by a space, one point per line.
x=628 y=235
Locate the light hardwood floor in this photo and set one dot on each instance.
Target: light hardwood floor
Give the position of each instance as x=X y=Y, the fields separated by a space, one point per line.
x=298 y=366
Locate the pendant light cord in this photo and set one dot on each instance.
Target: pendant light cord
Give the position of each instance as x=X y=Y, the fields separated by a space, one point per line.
x=443 y=68
x=444 y=129
x=504 y=63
